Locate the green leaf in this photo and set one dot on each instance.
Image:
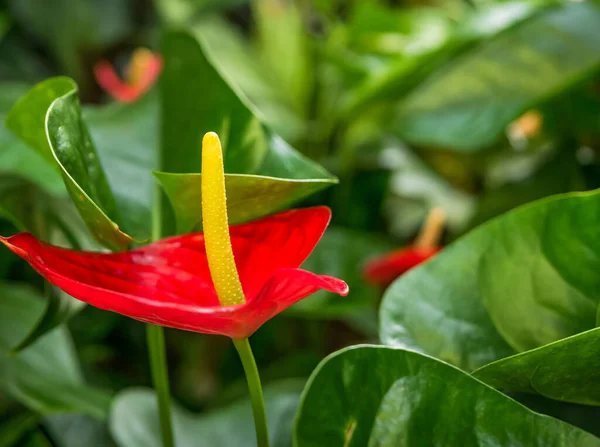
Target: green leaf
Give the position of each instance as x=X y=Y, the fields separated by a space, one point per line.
x=48 y=118
x=248 y=196
x=381 y=396
x=76 y=430
x=15 y=156
x=342 y=253
x=285 y=50
x=567 y=370
x=529 y=275
x=467 y=104
x=235 y=58
x=45 y=377
x=16 y=428
x=126 y=138
x=134 y=420
x=196 y=99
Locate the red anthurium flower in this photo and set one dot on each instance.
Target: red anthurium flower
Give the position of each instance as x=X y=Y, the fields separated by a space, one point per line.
x=384 y=269
x=143 y=71
x=186 y=282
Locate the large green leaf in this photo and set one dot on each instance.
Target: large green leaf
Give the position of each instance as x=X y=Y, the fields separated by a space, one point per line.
x=248 y=196
x=381 y=396
x=45 y=377
x=529 y=275
x=342 y=253
x=467 y=103
x=567 y=370
x=134 y=420
x=48 y=118
x=196 y=98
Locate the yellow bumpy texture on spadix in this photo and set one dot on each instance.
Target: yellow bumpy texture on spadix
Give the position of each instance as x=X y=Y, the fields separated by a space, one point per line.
x=216 y=228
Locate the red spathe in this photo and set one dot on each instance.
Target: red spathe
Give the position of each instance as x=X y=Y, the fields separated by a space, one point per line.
x=168 y=282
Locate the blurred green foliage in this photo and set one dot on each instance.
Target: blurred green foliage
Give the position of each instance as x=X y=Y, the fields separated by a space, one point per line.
x=474 y=106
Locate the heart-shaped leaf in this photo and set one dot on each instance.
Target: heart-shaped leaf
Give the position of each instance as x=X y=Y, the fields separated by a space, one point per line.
x=381 y=396
x=48 y=118
x=45 y=377
x=528 y=277
x=134 y=420
x=248 y=196
x=467 y=103
x=566 y=370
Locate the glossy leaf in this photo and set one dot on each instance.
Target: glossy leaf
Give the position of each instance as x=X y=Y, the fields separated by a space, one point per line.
x=46 y=377
x=342 y=253
x=196 y=98
x=467 y=104
x=528 y=277
x=248 y=196
x=48 y=118
x=566 y=370
x=134 y=420
x=381 y=396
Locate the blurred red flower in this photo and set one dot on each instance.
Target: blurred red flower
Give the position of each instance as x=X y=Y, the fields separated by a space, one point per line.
x=383 y=270
x=169 y=283
x=142 y=73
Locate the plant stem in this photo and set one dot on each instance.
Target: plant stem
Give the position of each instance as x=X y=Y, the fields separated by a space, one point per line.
x=160 y=379
x=155 y=336
x=255 y=388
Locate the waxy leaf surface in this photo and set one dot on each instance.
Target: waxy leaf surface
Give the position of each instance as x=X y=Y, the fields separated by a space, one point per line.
x=566 y=370
x=381 y=396
x=520 y=281
x=48 y=118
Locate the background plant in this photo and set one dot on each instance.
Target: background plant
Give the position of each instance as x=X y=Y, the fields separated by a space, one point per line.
x=475 y=107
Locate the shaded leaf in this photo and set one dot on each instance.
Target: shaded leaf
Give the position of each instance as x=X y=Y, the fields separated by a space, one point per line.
x=45 y=377
x=566 y=370
x=48 y=118
x=381 y=396
x=537 y=264
x=467 y=104
x=134 y=420
x=248 y=196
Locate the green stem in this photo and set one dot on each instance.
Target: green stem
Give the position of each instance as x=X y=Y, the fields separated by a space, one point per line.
x=160 y=379
x=155 y=336
x=255 y=388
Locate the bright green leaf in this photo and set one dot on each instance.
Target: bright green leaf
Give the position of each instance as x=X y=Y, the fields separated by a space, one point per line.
x=566 y=370
x=134 y=420
x=467 y=103
x=381 y=396
x=48 y=118
x=530 y=275
x=248 y=196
